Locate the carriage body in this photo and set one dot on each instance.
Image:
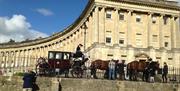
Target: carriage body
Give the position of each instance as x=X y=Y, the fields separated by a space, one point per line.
x=59 y=59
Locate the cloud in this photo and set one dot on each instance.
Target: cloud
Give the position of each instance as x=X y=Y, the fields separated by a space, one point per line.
x=45 y=12
x=18 y=29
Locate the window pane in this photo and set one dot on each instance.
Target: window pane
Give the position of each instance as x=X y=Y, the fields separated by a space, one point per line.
x=121 y=16
x=166 y=44
x=121 y=41
x=66 y=56
x=58 y=55
x=51 y=55
x=138 y=18
x=108 y=40
x=108 y=16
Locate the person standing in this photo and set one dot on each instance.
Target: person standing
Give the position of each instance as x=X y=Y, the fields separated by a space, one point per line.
x=165 y=72
x=111 y=67
x=28 y=81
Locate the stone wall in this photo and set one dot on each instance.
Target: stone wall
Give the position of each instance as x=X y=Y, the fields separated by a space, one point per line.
x=52 y=84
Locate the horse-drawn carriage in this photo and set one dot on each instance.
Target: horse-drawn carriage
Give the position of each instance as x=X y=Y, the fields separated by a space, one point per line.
x=60 y=62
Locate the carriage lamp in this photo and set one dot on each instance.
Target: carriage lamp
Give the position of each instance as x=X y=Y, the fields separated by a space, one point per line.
x=57 y=62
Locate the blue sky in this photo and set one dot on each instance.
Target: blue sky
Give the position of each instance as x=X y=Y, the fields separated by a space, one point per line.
x=23 y=19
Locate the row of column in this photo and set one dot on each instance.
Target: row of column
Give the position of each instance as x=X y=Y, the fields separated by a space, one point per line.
x=98 y=28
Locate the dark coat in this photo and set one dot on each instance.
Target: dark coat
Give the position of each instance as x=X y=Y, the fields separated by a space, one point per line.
x=165 y=69
x=78 y=48
x=28 y=80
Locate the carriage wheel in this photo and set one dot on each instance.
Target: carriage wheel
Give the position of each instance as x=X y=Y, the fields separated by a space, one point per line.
x=40 y=70
x=77 y=73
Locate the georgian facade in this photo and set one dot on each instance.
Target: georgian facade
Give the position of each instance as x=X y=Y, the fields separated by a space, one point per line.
x=118 y=29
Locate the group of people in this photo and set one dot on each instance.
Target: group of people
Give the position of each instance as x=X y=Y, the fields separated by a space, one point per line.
x=120 y=68
x=116 y=67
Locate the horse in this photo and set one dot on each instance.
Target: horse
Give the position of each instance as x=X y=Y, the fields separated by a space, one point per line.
x=134 y=67
x=103 y=65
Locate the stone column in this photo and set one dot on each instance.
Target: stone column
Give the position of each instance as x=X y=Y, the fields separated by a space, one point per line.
x=30 y=58
x=129 y=31
x=18 y=60
x=38 y=52
x=177 y=38
x=172 y=31
x=102 y=25
x=96 y=25
x=116 y=31
x=149 y=37
x=90 y=30
x=3 y=59
x=161 y=35
x=33 y=60
x=7 y=60
x=152 y=53
x=13 y=61
x=0 y=58
x=26 y=59
x=23 y=60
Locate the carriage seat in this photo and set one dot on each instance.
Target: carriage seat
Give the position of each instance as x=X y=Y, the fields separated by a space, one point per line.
x=78 y=59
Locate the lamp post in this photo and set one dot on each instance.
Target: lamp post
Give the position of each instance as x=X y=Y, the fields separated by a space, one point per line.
x=85 y=27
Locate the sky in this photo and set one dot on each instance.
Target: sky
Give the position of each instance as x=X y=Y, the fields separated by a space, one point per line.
x=31 y=19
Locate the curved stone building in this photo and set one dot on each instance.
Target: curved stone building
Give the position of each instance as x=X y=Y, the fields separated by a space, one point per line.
x=118 y=29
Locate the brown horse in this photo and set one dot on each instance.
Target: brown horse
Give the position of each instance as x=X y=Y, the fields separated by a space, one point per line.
x=141 y=66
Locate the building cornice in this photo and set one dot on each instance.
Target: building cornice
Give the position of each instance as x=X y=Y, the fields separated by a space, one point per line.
x=150 y=4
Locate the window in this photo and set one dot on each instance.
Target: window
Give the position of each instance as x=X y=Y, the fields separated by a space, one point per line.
x=166 y=44
x=66 y=56
x=155 y=38
x=165 y=20
x=121 y=41
x=121 y=16
x=110 y=55
x=58 y=55
x=51 y=55
x=138 y=39
x=108 y=15
x=138 y=18
x=108 y=40
x=154 y=20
